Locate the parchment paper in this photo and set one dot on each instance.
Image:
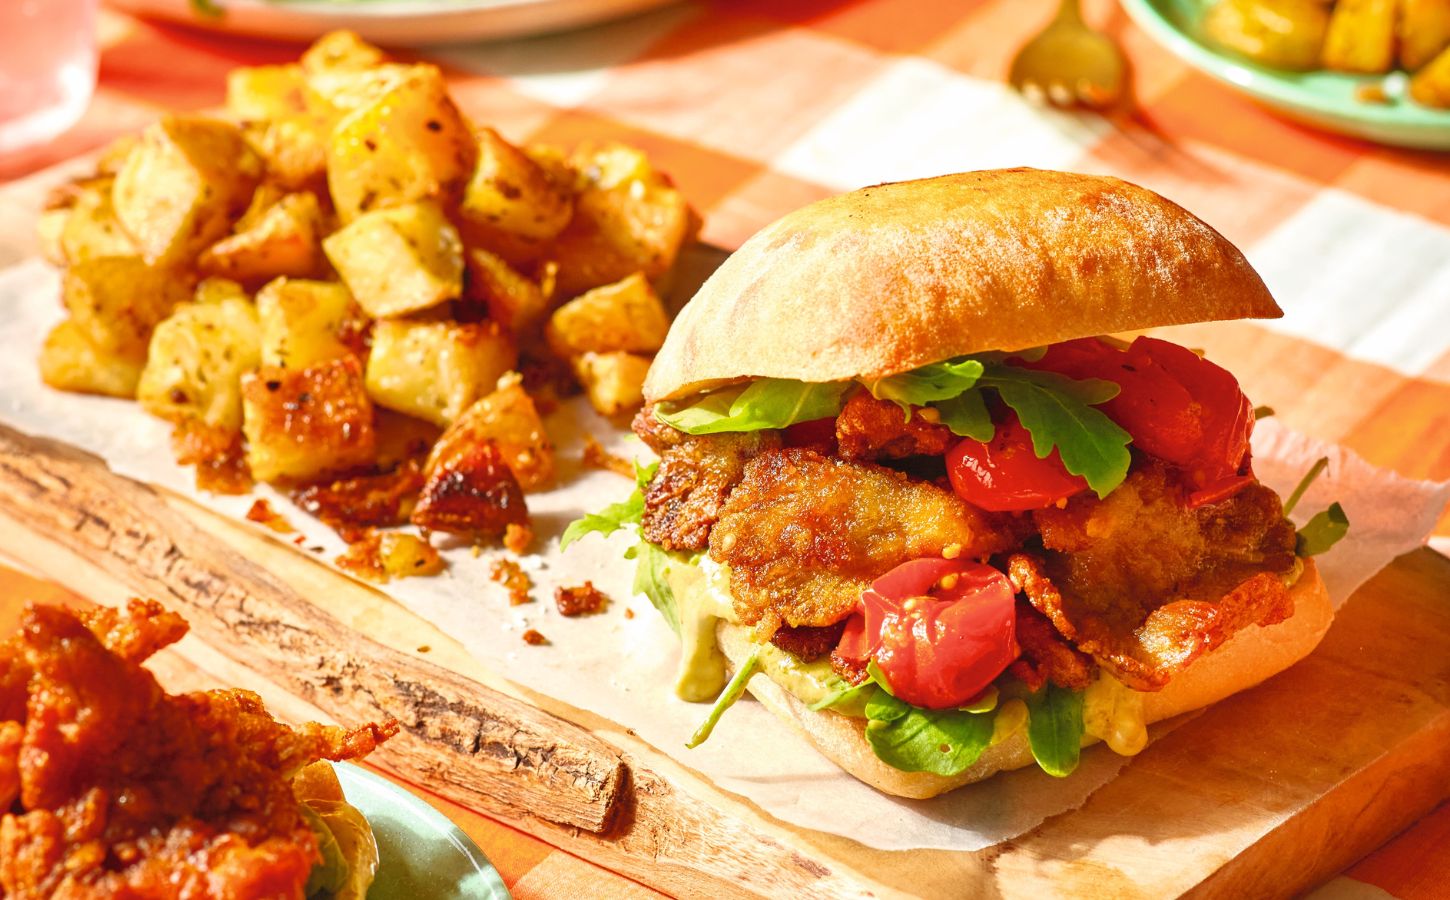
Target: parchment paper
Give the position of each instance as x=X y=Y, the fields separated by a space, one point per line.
x=623 y=668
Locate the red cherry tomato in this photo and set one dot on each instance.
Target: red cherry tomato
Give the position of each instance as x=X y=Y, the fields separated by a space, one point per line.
x=1177 y=406
x=1005 y=475
x=939 y=646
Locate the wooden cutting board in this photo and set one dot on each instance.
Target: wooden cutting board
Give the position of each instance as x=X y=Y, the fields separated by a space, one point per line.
x=1263 y=795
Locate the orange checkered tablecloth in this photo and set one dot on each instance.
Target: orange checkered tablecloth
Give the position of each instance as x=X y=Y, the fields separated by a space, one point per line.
x=756 y=107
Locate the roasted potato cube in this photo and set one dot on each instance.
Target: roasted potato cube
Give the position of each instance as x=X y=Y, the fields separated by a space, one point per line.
x=293 y=149
x=410 y=144
x=511 y=192
x=340 y=51
x=384 y=555
x=282 y=240
x=303 y=322
x=626 y=315
x=508 y=419
x=613 y=382
x=216 y=290
x=114 y=155
x=304 y=423
x=1361 y=36
x=1281 y=34
x=474 y=494
x=398 y=261
x=258 y=93
x=628 y=219
x=1431 y=85
x=436 y=370
x=1424 y=31
x=196 y=362
x=118 y=300
x=91 y=229
x=182 y=184
x=69 y=361
x=513 y=300
x=49 y=230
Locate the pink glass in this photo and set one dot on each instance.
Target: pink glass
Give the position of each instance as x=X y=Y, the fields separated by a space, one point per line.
x=47 y=68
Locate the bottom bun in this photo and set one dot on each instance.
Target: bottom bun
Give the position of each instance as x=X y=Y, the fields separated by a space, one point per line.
x=1246 y=659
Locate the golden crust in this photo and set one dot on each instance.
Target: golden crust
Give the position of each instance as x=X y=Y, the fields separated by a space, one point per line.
x=892 y=277
x=1248 y=658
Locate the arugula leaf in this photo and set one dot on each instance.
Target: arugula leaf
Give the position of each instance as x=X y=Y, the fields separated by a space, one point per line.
x=849 y=699
x=1054 y=728
x=966 y=415
x=615 y=516
x=727 y=699
x=329 y=875
x=651 y=578
x=1058 y=412
x=766 y=403
x=1322 y=531
x=913 y=739
x=939 y=381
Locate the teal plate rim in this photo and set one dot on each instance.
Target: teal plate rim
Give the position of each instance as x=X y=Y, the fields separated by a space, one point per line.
x=423 y=853
x=1323 y=98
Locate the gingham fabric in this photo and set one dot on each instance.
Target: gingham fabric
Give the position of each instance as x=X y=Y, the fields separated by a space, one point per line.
x=758 y=107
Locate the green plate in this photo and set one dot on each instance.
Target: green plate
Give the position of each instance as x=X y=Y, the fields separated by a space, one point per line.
x=1323 y=99
x=422 y=853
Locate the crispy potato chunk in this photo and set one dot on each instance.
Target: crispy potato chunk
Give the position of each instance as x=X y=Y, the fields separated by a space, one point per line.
x=515 y=301
x=410 y=144
x=436 y=370
x=1283 y=34
x=626 y=315
x=472 y=493
x=283 y=240
x=69 y=361
x=118 y=301
x=509 y=420
x=1431 y=85
x=1361 y=36
x=1424 y=31
x=91 y=229
x=613 y=382
x=399 y=261
x=340 y=51
x=384 y=555
x=304 y=423
x=216 y=290
x=293 y=149
x=512 y=193
x=303 y=322
x=196 y=363
x=628 y=218
x=181 y=185
x=266 y=92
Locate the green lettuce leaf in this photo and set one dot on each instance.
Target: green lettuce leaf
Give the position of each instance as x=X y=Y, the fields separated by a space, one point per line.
x=1058 y=412
x=913 y=739
x=616 y=515
x=966 y=415
x=762 y=404
x=850 y=699
x=1322 y=531
x=330 y=875
x=920 y=387
x=727 y=699
x=651 y=578
x=1054 y=728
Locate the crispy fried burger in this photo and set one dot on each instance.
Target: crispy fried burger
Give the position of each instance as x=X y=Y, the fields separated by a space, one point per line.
x=921 y=506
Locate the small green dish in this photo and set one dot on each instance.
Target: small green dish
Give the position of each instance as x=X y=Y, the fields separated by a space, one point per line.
x=1324 y=99
x=421 y=853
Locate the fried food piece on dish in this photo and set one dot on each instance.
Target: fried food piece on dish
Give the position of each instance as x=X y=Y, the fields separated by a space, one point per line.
x=695 y=476
x=1146 y=585
x=870 y=429
x=804 y=534
x=126 y=791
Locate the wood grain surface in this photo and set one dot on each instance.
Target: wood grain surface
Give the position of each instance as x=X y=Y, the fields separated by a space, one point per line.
x=1263 y=795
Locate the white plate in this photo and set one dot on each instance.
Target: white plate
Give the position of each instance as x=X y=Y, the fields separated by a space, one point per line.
x=395 y=22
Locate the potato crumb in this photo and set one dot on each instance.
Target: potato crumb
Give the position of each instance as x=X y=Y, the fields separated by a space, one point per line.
x=596 y=457
x=517 y=538
x=628 y=613
x=381 y=556
x=579 y=601
x=263 y=512
x=1372 y=93
x=512 y=576
x=533 y=638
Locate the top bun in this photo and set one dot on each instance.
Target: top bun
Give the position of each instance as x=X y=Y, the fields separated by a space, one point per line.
x=897 y=276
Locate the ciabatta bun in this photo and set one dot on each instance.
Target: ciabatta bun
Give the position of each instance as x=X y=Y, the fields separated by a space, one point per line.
x=1243 y=661
x=889 y=278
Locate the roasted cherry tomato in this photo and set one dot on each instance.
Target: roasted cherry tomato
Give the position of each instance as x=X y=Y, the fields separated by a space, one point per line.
x=939 y=643
x=1177 y=406
x=1005 y=475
